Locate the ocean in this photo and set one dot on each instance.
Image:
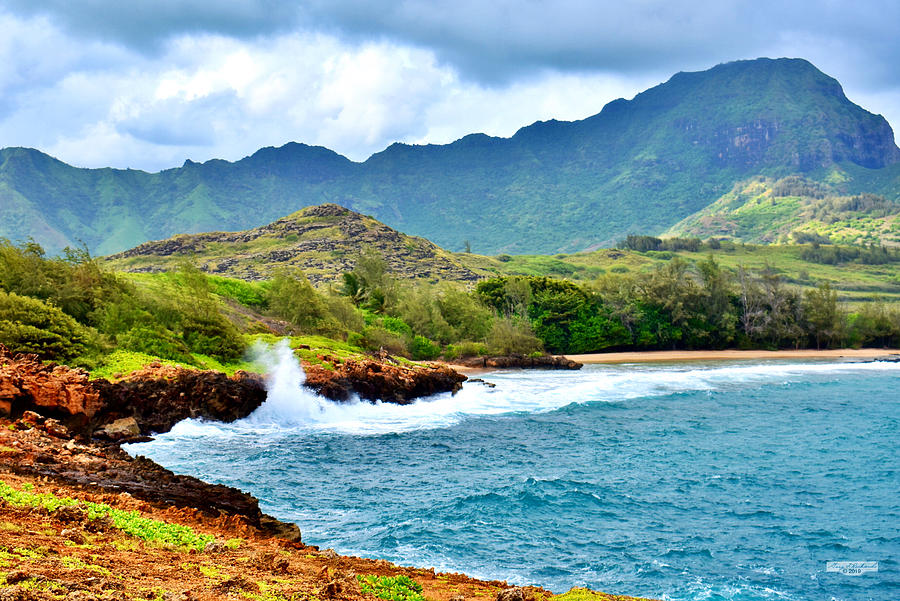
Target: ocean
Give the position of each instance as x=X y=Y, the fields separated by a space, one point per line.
x=695 y=481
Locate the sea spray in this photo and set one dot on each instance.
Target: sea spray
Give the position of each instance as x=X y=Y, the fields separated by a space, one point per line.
x=289 y=405
x=287 y=402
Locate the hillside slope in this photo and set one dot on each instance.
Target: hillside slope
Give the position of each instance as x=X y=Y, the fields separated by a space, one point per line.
x=324 y=241
x=640 y=165
x=765 y=211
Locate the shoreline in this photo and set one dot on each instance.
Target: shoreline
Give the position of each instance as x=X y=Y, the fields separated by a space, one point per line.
x=60 y=450
x=730 y=355
x=234 y=550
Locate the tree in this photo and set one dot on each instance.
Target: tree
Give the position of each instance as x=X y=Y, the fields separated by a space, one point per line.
x=369 y=285
x=717 y=300
x=823 y=315
x=511 y=336
x=291 y=297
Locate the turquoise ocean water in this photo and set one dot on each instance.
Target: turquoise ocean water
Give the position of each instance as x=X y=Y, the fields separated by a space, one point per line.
x=700 y=481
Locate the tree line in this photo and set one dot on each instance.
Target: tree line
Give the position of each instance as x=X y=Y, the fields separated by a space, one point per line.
x=70 y=308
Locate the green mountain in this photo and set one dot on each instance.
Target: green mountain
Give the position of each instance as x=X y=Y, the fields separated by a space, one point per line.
x=639 y=166
x=795 y=210
x=323 y=241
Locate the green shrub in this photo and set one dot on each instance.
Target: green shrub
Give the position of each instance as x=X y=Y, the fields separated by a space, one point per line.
x=249 y=294
x=155 y=341
x=377 y=338
x=466 y=315
x=291 y=297
x=418 y=308
x=130 y=522
x=391 y=588
x=121 y=315
x=422 y=349
x=29 y=325
x=344 y=312
x=465 y=349
x=512 y=335
x=395 y=325
x=214 y=336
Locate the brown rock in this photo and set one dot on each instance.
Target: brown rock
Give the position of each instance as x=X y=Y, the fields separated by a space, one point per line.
x=27 y=384
x=101 y=524
x=30 y=419
x=17 y=576
x=159 y=397
x=237 y=583
x=279 y=529
x=55 y=428
x=120 y=429
x=214 y=547
x=373 y=380
x=72 y=534
x=69 y=514
x=81 y=596
x=344 y=586
x=20 y=593
x=521 y=361
x=511 y=594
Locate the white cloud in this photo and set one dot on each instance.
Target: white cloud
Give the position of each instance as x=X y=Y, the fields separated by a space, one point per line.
x=209 y=96
x=358 y=84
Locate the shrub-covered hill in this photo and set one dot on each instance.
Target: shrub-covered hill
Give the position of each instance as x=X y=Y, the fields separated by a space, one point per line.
x=323 y=241
x=638 y=166
x=794 y=209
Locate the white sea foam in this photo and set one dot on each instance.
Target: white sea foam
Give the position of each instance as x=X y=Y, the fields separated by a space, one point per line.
x=290 y=406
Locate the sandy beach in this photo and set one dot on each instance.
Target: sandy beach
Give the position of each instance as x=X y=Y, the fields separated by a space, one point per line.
x=727 y=355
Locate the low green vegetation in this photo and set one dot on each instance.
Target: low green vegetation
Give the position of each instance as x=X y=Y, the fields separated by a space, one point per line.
x=129 y=522
x=391 y=588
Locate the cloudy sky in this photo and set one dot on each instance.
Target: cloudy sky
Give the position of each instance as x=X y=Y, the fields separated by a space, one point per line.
x=149 y=83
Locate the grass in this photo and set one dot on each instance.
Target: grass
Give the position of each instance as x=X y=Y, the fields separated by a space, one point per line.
x=124 y=362
x=318 y=345
x=391 y=588
x=855 y=282
x=581 y=594
x=75 y=563
x=130 y=522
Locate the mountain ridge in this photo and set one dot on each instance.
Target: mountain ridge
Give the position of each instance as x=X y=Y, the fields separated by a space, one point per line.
x=639 y=165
